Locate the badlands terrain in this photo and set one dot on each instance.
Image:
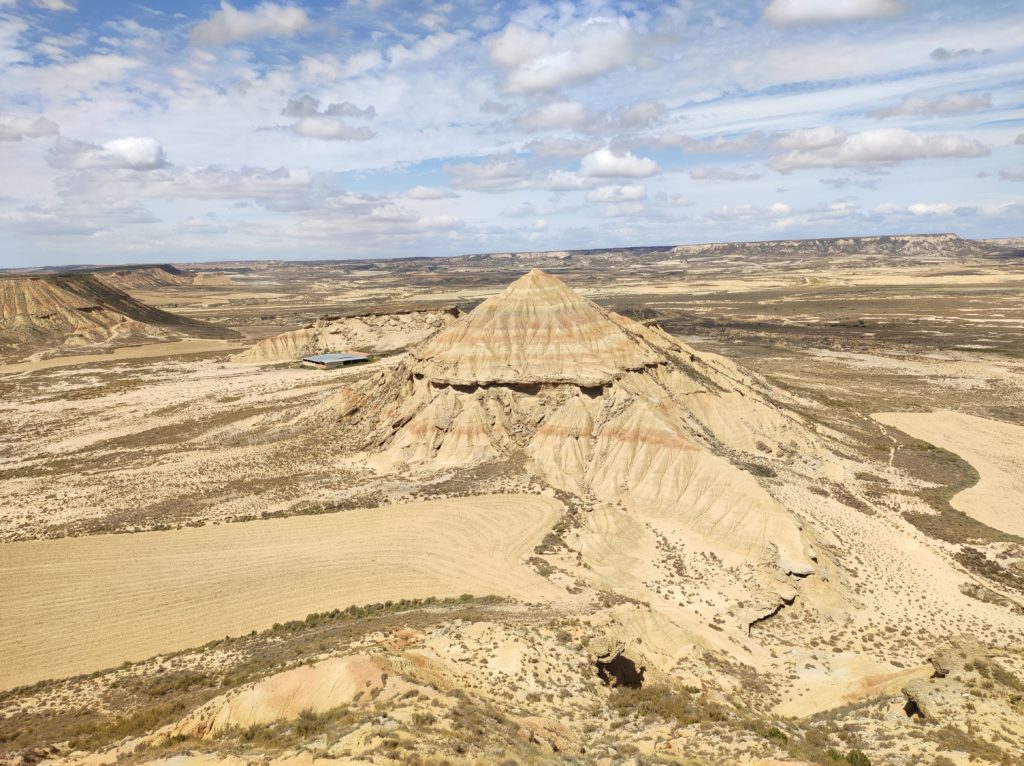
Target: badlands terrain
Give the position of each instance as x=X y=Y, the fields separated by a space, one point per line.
x=710 y=504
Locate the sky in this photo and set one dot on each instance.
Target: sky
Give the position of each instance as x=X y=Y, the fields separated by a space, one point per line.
x=216 y=130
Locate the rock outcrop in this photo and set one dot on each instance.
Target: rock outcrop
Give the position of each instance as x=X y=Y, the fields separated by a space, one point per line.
x=367 y=333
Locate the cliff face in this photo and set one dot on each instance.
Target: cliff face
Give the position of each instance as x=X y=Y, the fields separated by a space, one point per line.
x=145 y=278
x=50 y=314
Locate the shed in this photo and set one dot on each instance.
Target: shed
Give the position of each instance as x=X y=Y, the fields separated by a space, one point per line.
x=330 y=361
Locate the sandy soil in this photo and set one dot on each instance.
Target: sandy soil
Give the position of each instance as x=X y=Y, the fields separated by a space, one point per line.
x=144 y=351
x=995 y=449
x=81 y=604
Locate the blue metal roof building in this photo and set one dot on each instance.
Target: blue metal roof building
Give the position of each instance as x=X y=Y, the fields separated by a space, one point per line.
x=330 y=361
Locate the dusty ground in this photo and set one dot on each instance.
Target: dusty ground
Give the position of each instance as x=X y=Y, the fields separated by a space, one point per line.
x=88 y=603
x=118 y=444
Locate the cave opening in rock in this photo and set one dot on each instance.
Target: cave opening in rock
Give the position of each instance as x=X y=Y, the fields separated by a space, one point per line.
x=621 y=671
x=912 y=710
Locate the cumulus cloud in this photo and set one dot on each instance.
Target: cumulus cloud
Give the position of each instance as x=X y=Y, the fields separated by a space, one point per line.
x=721 y=174
x=876 y=147
x=120 y=154
x=328 y=67
x=430 y=193
x=422 y=50
x=307 y=106
x=919 y=106
x=267 y=19
x=1012 y=175
x=326 y=125
x=15 y=127
x=604 y=163
x=629 y=193
x=813 y=138
x=944 y=54
x=327 y=129
x=785 y=12
x=929 y=208
x=537 y=59
x=554 y=116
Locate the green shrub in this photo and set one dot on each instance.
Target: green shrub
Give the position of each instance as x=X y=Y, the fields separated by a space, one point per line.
x=857 y=758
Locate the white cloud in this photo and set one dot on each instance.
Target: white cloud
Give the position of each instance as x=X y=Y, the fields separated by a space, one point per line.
x=11 y=30
x=751 y=142
x=267 y=19
x=492 y=176
x=119 y=154
x=604 y=163
x=360 y=63
x=630 y=193
x=422 y=50
x=543 y=60
x=54 y=5
x=565 y=180
x=780 y=208
x=307 y=106
x=878 y=147
x=927 y=208
x=944 y=54
x=560 y=114
x=14 y=127
x=785 y=12
x=437 y=222
x=721 y=174
x=326 y=125
x=642 y=114
x=813 y=138
x=429 y=193
x=555 y=146
x=327 y=129
x=919 y=106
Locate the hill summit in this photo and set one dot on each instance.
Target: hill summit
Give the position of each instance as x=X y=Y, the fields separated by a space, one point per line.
x=595 y=404
x=58 y=313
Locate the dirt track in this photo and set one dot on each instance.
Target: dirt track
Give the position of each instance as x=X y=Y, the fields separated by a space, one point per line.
x=81 y=604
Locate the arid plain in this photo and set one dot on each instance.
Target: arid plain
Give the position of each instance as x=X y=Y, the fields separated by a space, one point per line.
x=750 y=503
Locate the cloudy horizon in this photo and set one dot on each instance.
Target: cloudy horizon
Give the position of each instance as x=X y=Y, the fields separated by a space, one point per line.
x=376 y=128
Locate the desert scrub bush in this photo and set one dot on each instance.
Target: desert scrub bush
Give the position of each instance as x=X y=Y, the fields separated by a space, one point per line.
x=655 y=701
x=857 y=758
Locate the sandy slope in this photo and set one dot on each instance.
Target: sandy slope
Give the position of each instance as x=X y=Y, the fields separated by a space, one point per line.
x=143 y=351
x=994 y=448
x=80 y=604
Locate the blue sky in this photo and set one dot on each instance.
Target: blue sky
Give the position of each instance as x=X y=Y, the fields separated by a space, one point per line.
x=369 y=128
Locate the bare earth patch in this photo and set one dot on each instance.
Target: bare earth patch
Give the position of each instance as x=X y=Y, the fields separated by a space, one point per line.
x=81 y=604
x=994 y=448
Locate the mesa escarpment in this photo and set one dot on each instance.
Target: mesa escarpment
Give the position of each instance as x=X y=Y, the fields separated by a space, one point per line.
x=56 y=313
x=642 y=427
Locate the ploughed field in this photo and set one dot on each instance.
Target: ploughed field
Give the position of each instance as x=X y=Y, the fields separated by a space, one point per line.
x=78 y=605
